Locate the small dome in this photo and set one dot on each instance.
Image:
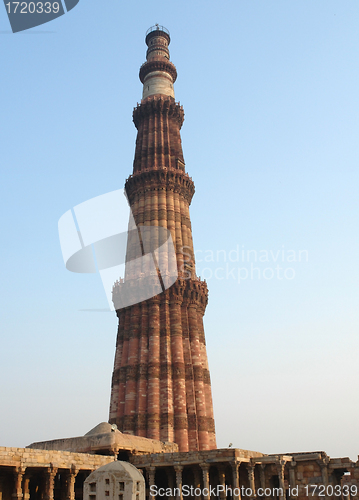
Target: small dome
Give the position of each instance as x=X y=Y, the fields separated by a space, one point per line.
x=102 y=428
x=126 y=469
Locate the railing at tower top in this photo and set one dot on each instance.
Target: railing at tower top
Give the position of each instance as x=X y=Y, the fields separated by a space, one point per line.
x=157 y=27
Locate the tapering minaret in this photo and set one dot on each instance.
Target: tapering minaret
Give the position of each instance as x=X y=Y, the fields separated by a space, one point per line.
x=161 y=384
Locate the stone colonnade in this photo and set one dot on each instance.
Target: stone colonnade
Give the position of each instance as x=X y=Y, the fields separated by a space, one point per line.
x=40 y=482
x=242 y=475
x=30 y=474
x=213 y=480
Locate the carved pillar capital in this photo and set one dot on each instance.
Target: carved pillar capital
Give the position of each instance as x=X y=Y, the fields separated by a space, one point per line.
x=20 y=470
x=204 y=466
x=114 y=451
x=52 y=470
x=280 y=466
x=235 y=464
x=250 y=470
x=74 y=470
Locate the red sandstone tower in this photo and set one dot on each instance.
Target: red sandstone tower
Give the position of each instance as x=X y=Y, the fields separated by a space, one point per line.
x=161 y=384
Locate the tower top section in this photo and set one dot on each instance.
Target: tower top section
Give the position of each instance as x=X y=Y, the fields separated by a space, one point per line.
x=157 y=30
x=158 y=74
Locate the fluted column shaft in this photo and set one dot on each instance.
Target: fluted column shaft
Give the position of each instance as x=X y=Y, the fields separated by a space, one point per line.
x=141 y=404
x=193 y=441
x=179 y=381
x=131 y=371
x=198 y=378
x=166 y=384
x=153 y=404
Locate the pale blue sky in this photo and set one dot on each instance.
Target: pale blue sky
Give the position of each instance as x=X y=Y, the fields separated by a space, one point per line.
x=270 y=93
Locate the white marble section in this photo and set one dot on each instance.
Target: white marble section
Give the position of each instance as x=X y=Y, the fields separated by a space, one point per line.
x=158 y=82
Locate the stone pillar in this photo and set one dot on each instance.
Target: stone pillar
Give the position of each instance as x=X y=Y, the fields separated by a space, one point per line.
x=70 y=483
x=222 y=481
x=262 y=476
x=25 y=487
x=178 y=470
x=205 y=476
x=235 y=480
x=252 y=485
x=114 y=451
x=18 y=475
x=280 y=470
x=151 y=471
x=49 y=482
x=324 y=470
x=292 y=480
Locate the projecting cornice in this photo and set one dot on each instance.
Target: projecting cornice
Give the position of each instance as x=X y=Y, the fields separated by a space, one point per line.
x=189 y=292
x=158 y=65
x=169 y=180
x=158 y=105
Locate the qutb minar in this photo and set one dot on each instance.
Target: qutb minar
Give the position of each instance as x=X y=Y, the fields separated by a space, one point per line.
x=161 y=385
x=161 y=393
